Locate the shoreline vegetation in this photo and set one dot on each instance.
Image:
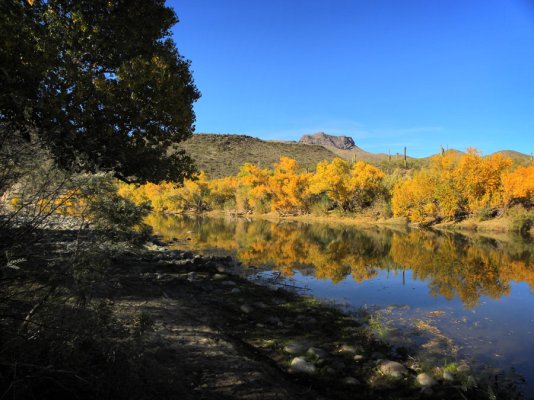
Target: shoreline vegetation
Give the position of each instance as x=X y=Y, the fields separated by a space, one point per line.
x=455 y=192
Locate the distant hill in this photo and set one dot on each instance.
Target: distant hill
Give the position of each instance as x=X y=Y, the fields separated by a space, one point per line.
x=222 y=155
x=517 y=157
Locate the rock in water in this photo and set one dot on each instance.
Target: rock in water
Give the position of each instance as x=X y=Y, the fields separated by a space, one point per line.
x=393 y=369
x=425 y=380
x=299 y=364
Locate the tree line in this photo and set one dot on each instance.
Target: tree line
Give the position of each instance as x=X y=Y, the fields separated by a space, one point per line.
x=453 y=186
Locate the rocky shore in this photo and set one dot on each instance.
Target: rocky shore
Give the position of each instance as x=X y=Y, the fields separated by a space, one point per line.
x=223 y=336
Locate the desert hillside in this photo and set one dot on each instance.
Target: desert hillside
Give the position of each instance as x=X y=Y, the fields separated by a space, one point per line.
x=222 y=154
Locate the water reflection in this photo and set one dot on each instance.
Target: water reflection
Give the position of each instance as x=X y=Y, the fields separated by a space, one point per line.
x=453 y=265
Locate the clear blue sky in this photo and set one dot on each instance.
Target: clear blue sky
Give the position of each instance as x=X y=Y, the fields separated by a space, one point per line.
x=388 y=73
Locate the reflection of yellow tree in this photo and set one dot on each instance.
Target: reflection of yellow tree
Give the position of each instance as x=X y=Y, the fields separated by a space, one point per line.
x=453 y=266
x=456 y=267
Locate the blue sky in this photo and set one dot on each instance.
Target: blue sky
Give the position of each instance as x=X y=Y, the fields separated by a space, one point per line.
x=388 y=73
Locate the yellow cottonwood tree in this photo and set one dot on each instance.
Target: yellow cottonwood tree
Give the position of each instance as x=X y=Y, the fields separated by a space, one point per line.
x=288 y=187
x=519 y=185
x=365 y=183
x=252 y=192
x=333 y=179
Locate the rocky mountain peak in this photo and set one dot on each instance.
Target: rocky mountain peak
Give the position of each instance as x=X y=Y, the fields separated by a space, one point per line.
x=323 y=139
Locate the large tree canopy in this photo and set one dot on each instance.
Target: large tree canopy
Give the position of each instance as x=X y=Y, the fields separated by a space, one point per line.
x=99 y=83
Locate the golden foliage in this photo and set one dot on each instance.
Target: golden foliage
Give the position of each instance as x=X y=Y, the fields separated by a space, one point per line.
x=454 y=185
x=519 y=185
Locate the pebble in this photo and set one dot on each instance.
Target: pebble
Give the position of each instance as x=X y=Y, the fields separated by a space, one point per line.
x=393 y=369
x=235 y=291
x=358 y=357
x=228 y=283
x=447 y=375
x=299 y=364
x=317 y=352
x=349 y=380
x=347 y=349
x=425 y=380
x=246 y=308
x=221 y=269
x=219 y=277
x=296 y=347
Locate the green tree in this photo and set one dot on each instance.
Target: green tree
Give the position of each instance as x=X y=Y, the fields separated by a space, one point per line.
x=99 y=83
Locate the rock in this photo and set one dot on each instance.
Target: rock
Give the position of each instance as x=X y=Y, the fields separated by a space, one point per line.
x=235 y=291
x=425 y=380
x=393 y=369
x=317 y=352
x=219 y=277
x=358 y=357
x=246 y=308
x=447 y=376
x=299 y=364
x=296 y=347
x=330 y=371
x=259 y=304
x=349 y=380
x=221 y=269
x=228 y=283
x=347 y=349
x=322 y=139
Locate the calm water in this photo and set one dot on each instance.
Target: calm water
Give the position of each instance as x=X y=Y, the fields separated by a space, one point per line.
x=447 y=296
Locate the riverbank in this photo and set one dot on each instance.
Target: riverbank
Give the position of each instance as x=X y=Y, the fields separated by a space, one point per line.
x=233 y=338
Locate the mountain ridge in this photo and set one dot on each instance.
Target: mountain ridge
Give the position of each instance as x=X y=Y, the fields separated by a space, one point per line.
x=222 y=154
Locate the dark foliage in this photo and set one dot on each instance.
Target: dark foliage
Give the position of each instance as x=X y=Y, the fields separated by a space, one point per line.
x=99 y=83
